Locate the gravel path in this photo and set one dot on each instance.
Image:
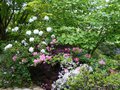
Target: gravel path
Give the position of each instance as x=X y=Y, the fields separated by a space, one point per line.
x=34 y=88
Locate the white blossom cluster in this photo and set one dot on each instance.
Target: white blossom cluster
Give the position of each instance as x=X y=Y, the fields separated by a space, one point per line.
x=70 y=71
x=8 y=46
x=24 y=42
x=36 y=31
x=15 y=29
x=32 y=19
x=46 y=18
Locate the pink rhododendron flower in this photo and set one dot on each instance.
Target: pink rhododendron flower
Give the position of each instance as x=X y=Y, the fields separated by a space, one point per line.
x=76 y=59
x=53 y=41
x=112 y=71
x=48 y=48
x=34 y=53
x=36 y=61
x=87 y=55
x=42 y=57
x=66 y=55
x=102 y=62
x=38 y=46
x=77 y=49
x=48 y=57
x=14 y=58
x=67 y=49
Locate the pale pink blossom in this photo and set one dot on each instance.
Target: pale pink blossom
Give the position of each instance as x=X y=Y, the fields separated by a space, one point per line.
x=48 y=57
x=36 y=61
x=66 y=55
x=42 y=57
x=38 y=46
x=53 y=41
x=77 y=49
x=87 y=55
x=102 y=62
x=34 y=53
x=65 y=70
x=78 y=69
x=67 y=49
x=48 y=48
x=14 y=58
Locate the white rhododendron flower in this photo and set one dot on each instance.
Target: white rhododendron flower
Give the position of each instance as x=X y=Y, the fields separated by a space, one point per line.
x=90 y=69
x=36 y=31
x=31 y=49
x=16 y=41
x=24 y=5
x=31 y=39
x=31 y=20
x=6 y=30
x=34 y=18
x=52 y=36
x=23 y=41
x=46 y=18
x=43 y=42
x=107 y=0
x=43 y=51
x=8 y=46
x=15 y=29
x=28 y=32
x=49 y=29
x=41 y=33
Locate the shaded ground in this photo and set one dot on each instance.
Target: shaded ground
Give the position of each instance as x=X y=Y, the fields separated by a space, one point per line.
x=43 y=75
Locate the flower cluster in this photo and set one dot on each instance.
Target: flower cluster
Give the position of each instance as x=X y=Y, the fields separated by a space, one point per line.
x=32 y=19
x=15 y=29
x=8 y=46
x=70 y=71
x=42 y=58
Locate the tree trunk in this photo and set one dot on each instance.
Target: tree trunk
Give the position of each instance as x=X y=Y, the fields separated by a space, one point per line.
x=2 y=31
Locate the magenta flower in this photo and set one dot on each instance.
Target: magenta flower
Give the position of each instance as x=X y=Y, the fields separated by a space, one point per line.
x=76 y=59
x=34 y=53
x=87 y=55
x=42 y=57
x=102 y=62
x=14 y=57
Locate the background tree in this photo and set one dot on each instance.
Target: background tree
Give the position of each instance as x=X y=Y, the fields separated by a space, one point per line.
x=8 y=10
